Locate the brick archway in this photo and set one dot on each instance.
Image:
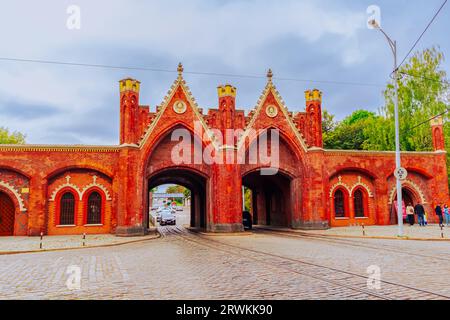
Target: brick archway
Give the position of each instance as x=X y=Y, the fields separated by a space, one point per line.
x=7 y=215
x=194 y=181
x=272 y=200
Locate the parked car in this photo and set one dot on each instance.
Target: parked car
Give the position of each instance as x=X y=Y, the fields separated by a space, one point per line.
x=247 y=220
x=158 y=216
x=167 y=218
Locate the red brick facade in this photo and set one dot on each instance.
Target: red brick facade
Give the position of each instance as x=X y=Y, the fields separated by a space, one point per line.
x=93 y=189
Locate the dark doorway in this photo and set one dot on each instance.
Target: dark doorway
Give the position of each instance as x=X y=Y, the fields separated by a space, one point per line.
x=271 y=198
x=7 y=215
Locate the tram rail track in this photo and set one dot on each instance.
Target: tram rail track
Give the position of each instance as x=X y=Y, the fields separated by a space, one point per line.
x=348 y=242
x=349 y=283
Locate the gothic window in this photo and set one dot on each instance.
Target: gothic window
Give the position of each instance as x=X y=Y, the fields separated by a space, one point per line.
x=339 y=204
x=358 y=199
x=94 y=208
x=67 y=209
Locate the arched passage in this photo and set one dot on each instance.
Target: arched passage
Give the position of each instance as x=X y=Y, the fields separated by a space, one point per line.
x=271 y=198
x=409 y=197
x=191 y=180
x=7 y=215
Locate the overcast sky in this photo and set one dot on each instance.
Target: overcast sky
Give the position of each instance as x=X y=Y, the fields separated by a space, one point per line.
x=312 y=40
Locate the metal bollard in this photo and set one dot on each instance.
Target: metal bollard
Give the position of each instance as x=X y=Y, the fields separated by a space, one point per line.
x=442 y=231
x=40 y=244
x=84 y=239
x=364 y=230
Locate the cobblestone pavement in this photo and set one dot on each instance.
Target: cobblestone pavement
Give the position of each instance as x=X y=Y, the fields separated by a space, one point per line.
x=181 y=265
x=432 y=231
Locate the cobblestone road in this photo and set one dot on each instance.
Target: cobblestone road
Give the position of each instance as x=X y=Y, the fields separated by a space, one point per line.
x=181 y=265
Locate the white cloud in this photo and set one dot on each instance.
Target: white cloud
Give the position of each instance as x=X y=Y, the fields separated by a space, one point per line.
x=223 y=36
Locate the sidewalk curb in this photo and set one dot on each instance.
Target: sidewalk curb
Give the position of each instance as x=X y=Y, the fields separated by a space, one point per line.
x=302 y=233
x=5 y=253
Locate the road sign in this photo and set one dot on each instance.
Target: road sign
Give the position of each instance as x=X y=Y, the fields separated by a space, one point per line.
x=401 y=174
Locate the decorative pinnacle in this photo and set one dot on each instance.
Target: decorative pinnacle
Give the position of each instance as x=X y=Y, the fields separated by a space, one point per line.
x=438 y=121
x=180 y=69
x=226 y=90
x=313 y=95
x=269 y=74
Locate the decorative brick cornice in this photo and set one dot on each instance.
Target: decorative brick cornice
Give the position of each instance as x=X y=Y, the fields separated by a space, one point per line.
x=338 y=185
x=16 y=193
x=329 y=152
x=80 y=192
x=68 y=184
x=350 y=190
x=95 y=184
x=363 y=185
x=412 y=185
x=58 y=148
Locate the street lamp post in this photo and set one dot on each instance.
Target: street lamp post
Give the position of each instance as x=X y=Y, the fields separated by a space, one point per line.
x=393 y=46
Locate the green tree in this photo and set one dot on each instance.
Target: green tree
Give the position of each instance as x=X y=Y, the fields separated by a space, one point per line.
x=422 y=91
x=175 y=189
x=349 y=134
x=187 y=193
x=248 y=199
x=11 y=138
x=178 y=189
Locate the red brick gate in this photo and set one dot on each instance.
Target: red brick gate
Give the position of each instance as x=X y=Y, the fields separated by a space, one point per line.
x=312 y=188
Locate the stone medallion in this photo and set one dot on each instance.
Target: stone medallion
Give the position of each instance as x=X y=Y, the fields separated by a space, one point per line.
x=179 y=107
x=271 y=111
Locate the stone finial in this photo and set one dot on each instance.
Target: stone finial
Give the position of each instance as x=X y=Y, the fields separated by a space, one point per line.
x=180 y=69
x=269 y=74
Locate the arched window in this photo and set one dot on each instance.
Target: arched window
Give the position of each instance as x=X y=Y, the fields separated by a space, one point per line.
x=94 y=208
x=358 y=200
x=339 y=204
x=67 y=209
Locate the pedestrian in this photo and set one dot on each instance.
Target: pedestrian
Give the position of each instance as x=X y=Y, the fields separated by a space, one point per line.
x=410 y=213
x=438 y=211
x=447 y=215
x=420 y=211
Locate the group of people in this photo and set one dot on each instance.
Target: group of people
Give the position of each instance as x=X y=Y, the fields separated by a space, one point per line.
x=441 y=210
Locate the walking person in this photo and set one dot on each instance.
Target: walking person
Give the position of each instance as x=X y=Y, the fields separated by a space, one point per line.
x=410 y=213
x=439 y=213
x=447 y=215
x=420 y=211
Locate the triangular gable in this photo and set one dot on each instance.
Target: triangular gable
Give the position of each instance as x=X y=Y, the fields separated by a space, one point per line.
x=271 y=93
x=178 y=87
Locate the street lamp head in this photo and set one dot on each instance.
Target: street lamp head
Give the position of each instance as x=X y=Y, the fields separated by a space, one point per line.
x=374 y=24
